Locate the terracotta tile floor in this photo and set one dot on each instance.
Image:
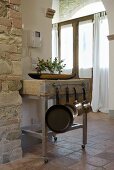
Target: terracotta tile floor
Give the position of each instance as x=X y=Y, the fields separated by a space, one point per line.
x=67 y=154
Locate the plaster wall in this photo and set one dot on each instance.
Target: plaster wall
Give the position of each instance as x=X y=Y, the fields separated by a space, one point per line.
x=34 y=18
x=110 y=12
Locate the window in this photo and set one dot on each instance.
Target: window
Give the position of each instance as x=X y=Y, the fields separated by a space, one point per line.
x=75 y=45
x=74 y=53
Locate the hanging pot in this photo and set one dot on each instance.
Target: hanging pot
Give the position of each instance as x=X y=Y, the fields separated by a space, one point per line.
x=70 y=106
x=78 y=105
x=59 y=118
x=86 y=104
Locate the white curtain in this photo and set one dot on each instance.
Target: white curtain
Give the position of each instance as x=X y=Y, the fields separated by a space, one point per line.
x=100 y=64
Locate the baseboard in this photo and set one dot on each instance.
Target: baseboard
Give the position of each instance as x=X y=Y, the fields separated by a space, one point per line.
x=111 y=113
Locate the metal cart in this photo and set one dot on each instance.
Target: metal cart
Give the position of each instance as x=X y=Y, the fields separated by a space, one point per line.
x=46 y=93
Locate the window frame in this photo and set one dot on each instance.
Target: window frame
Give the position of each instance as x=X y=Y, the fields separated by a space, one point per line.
x=75 y=25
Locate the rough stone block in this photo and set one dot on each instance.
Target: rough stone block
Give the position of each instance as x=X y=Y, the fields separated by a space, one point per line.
x=9 y=99
x=16 y=31
x=3 y=9
x=5 y=0
x=17 y=23
x=4 y=47
x=14 y=57
x=14 y=7
x=16 y=2
x=9 y=115
x=10 y=132
x=5 y=21
x=3 y=77
x=14 y=135
x=19 y=49
x=8 y=121
x=5 y=158
x=12 y=77
x=8 y=48
x=14 y=85
x=3 y=29
x=4 y=86
x=5 y=67
x=14 y=14
x=2 y=55
x=0 y=85
x=4 y=39
x=12 y=48
x=17 y=68
x=16 y=154
x=8 y=146
x=15 y=40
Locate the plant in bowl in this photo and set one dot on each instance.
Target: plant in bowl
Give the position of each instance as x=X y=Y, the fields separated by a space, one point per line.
x=58 y=65
x=50 y=66
x=41 y=66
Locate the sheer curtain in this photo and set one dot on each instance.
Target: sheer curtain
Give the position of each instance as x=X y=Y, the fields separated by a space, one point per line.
x=100 y=64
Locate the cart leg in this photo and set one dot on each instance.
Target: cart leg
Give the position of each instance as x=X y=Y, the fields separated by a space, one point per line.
x=44 y=144
x=44 y=130
x=44 y=141
x=84 y=130
x=54 y=136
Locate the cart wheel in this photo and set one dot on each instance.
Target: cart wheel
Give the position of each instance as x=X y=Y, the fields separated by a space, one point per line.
x=45 y=160
x=55 y=139
x=83 y=146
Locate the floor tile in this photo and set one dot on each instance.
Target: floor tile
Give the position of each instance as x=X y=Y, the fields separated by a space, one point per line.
x=100 y=168
x=67 y=154
x=110 y=166
x=64 y=162
x=96 y=161
x=106 y=155
x=82 y=166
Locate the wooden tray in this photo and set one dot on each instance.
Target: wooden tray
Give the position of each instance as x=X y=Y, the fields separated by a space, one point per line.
x=51 y=76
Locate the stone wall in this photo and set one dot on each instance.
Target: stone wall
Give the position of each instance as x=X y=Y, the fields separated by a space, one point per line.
x=10 y=76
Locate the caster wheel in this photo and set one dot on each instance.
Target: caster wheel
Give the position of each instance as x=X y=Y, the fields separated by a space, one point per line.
x=83 y=146
x=45 y=161
x=55 y=139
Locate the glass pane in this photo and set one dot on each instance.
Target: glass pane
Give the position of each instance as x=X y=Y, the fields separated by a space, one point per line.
x=67 y=46
x=86 y=47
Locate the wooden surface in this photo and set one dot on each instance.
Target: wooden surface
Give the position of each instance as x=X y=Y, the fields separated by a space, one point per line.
x=47 y=87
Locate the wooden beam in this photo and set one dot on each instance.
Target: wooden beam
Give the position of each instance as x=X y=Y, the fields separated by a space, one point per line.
x=50 y=13
x=110 y=37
